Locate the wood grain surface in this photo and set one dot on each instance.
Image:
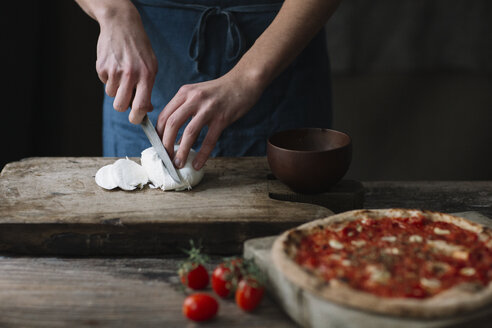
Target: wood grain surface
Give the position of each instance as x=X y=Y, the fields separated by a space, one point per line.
x=51 y=292
x=52 y=206
x=441 y=196
x=141 y=292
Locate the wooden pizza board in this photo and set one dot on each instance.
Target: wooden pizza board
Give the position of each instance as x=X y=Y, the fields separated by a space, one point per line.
x=310 y=311
x=52 y=206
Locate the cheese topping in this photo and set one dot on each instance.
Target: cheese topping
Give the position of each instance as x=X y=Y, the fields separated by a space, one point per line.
x=438 y=231
x=346 y=262
x=378 y=275
x=460 y=255
x=444 y=247
x=358 y=243
x=415 y=239
x=397 y=257
x=392 y=250
x=430 y=283
x=467 y=271
x=335 y=244
x=390 y=239
x=456 y=251
x=336 y=257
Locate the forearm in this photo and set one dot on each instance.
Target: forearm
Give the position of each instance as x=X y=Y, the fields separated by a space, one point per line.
x=295 y=25
x=126 y=63
x=104 y=10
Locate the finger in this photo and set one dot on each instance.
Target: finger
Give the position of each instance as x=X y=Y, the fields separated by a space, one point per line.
x=112 y=85
x=141 y=104
x=181 y=137
x=208 y=145
x=175 y=121
x=190 y=134
x=178 y=100
x=101 y=70
x=103 y=76
x=124 y=95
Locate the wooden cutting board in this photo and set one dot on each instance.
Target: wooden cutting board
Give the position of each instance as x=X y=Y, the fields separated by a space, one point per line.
x=310 y=311
x=52 y=206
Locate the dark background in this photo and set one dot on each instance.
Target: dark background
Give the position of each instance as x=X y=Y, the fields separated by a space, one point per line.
x=412 y=85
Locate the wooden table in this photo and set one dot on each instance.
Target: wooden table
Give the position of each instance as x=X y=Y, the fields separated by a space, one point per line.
x=144 y=292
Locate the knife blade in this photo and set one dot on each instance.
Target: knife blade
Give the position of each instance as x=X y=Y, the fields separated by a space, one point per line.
x=156 y=142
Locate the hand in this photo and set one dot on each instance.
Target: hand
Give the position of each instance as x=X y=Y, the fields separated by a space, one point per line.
x=216 y=103
x=126 y=63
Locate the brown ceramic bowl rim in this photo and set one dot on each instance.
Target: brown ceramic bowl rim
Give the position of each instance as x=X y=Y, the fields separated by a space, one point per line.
x=309 y=151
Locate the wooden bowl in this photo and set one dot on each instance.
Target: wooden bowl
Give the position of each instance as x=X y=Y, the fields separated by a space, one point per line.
x=309 y=160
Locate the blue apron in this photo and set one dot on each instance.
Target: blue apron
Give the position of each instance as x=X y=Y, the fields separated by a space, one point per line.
x=200 y=40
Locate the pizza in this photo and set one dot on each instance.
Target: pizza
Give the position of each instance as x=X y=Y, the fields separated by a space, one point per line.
x=392 y=261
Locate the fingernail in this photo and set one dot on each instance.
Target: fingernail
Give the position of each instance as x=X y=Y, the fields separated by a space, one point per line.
x=196 y=165
x=177 y=163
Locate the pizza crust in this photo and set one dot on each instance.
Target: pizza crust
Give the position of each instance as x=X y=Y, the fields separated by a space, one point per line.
x=459 y=299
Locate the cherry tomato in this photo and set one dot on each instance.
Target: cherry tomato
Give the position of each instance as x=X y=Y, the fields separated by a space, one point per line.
x=222 y=282
x=249 y=294
x=196 y=278
x=225 y=277
x=200 y=307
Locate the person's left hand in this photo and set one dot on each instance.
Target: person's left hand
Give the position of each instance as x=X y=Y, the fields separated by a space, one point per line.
x=216 y=103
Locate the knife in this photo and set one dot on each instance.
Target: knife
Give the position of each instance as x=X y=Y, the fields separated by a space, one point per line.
x=156 y=142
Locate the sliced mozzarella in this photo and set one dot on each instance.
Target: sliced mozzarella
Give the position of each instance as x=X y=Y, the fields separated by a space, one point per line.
x=415 y=239
x=128 y=174
x=335 y=244
x=104 y=177
x=159 y=176
x=430 y=283
x=154 y=167
x=439 y=231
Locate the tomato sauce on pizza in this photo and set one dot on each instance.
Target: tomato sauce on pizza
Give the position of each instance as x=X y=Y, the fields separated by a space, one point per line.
x=409 y=257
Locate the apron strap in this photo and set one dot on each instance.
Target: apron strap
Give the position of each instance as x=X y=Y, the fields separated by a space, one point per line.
x=235 y=40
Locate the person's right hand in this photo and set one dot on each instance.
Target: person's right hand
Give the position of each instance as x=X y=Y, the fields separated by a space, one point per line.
x=126 y=62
